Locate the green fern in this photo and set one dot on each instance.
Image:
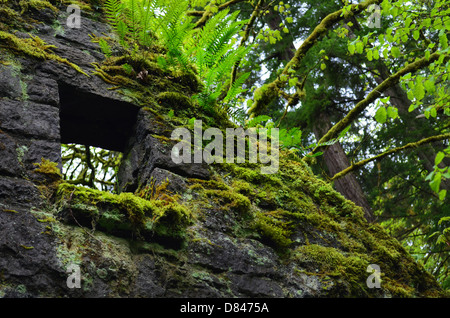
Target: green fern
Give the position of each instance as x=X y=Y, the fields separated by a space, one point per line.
x=105 y=47
x=214 y=55
x=175 y=28
x=113 y=10
x=236 y=89
x=211 y=48
x=131 y=20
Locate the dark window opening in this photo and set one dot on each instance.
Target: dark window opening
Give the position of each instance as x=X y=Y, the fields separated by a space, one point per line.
x=95 y=131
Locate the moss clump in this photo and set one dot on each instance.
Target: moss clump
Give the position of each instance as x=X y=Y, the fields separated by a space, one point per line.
x=49 y=169
x=230 y=199
x=174 y=100
x=251 y=173
x=329 y=260
x=274 y=228
x=36 y=5
x=348 y=271
x=34 y=47
x=125 y=212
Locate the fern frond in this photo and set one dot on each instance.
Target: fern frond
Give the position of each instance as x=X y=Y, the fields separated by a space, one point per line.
x=175 y=27
x=147 y=10
x=236 y=88
x=257 y=120
x=105 y=47
x=113 y=10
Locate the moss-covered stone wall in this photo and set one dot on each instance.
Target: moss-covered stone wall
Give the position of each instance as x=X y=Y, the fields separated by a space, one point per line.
x=175 y=230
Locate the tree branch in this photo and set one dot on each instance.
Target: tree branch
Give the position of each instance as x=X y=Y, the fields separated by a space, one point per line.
x=391 y=151
x=373 y=96
x=267 y=94
x=206 y=14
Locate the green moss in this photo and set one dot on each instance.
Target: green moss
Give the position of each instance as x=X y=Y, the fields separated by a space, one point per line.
x=274 y=228
x=347 y=270
x=9 y=211
x=126 y=211
x=49 y=169
x=174 y=100
x=34 y=47
x=36 y=5
x=229 y=199
x=251 y=173
x=243 y=187
x=27 y=247
x=9 y=18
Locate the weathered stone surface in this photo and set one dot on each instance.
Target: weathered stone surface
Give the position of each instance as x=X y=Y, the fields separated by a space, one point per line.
x=42 y=149
x=152 y=152
x=176 y=183
x=14 y=191
x=9 y=83
x=158 y=154
x=44 y=91
x=220 y=253
x=29 y=119
x=9 y=163
x=28 y=255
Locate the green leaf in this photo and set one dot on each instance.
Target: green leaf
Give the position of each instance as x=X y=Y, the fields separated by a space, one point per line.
x=419 y=90
x=293 y=81
x=436 y=182
x=392 y=112
x=344 y=132
x=257 y=120
x=443 y=41
x=442 y=194
x=395 y=51
x=381 y=115
x=323 y=66
x=429 y=86
x=439 y=157
x=315 y=155
x=351 y=49
x=359 y=47
x=433 y=112
x=416 y=34
x=376 y=54
x=444 y=219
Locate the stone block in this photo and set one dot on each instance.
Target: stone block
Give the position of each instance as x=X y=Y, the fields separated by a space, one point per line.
x=29 y=119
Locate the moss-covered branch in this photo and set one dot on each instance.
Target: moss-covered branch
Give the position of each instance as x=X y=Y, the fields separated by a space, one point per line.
x=373 y=96
x=206 y=14
x=419 y=143
x=265 y=95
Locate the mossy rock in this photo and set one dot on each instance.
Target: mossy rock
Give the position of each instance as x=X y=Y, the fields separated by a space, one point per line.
x=123 y=214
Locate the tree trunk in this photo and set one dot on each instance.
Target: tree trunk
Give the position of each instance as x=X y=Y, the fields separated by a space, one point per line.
x=336 y=160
